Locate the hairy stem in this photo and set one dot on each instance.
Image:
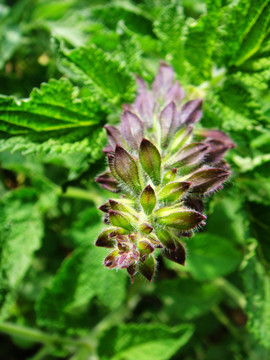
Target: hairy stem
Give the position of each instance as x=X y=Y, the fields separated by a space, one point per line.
x=81 y=194
x=232 y=291
x=39 y=336
x=90 y=342
x=225 y=321
x=118 y=316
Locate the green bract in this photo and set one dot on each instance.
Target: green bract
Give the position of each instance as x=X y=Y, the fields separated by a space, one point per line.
x=162 y=173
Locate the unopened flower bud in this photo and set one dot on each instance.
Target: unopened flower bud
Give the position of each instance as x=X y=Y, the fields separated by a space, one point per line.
x=148 y=200
x=104 y=239
x=123 y=220
x=114 y=136
x=180 y=219
x=167 y=122
x=189 y=155
x=111 y=260
x=181 y=137
x=148 y=267
x=191 y=112
x=145 y=228
x=155 y=241
x=177 y=255
x=127 y=169
x=127 y=259
x=132 y=129
x=173 y=191
x=166 y=239
x=145 y=247
x=150 y=160
x=169 y=176
x=208 y=180
x=120 y=205
x=108 y=182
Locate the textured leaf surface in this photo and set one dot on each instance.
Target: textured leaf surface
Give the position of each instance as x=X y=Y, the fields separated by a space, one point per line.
x=53 y=121
x=257 y=284
x=88 y=147
x=80 y=279
x=93 y=66
x=169 y=28
x=255 y=36
x=186 y=299
x=256 y=189
x=229 y=210
x=55 y=106
x=242 y=28
x=145 y=341
x=211 y=256
x=200 y=44
x=112 y=14
x=21 y=230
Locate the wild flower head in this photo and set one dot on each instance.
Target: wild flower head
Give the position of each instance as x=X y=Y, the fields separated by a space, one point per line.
x=163 y=168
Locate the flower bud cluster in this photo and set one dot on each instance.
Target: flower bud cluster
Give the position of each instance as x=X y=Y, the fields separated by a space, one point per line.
x=162 y=174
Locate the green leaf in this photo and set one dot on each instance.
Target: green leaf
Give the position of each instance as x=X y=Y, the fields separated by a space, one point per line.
x=200 y=44
x=144 y=341
x=9 y=42
x=61 y=16
x=81 y=278
x=211 y=256
x=254 y=80
x=257 y=165
x=92 y=66
x=257 y=284
x=254 y=38
x=10 y=30
x=84 y=146
x=260 y=228
x=185 y=299
x=54 y=122
x=243 y=29
x=21 y=230
x=129 y=53
x=240 y=99
x=229 y=209
x=112 y=13
x=226 y=116
x=169 y=28
x=55 y=106
x=256 y=189
x=255 y=74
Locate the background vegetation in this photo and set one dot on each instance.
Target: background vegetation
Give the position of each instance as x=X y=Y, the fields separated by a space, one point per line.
x=56 y=298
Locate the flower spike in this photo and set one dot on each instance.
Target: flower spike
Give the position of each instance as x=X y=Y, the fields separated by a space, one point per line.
x=162 y=174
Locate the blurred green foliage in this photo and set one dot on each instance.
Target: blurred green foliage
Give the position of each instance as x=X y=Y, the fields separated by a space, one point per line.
x=56 y=298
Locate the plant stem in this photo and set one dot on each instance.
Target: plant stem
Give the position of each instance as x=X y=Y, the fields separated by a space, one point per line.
x=42 y=337
x=119 y=315
x=114 y=317
x=232 y=291
x=42 y=353
x=89 y=342
x=226 y=322
x=81 y=194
